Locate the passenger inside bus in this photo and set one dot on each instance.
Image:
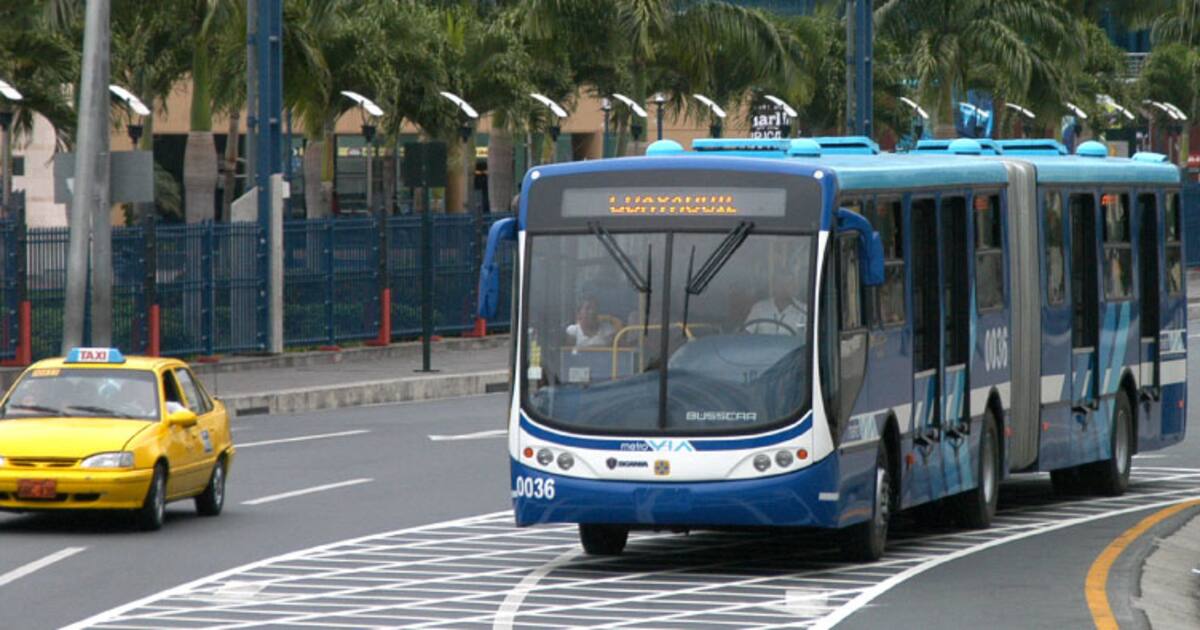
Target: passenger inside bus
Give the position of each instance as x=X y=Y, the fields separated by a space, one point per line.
x=590 y=330
x=784 y=311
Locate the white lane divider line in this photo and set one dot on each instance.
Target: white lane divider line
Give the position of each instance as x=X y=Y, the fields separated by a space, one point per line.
x=478 y=435
x=296 y=493
x=512 y=601
x=22 y=571
x=302 y=438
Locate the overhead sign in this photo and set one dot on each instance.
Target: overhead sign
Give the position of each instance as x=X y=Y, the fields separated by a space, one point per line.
x=130 y=177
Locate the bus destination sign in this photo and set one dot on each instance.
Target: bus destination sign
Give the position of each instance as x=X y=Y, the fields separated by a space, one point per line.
x=674 y=201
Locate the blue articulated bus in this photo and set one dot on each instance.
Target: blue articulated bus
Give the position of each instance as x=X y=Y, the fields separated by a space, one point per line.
x=756 y=333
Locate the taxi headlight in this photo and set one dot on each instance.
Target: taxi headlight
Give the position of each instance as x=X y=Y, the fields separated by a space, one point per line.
x=1 y=460
x=123 y=459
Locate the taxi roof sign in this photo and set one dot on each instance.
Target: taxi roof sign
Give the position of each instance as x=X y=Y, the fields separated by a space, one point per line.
x=95 y=355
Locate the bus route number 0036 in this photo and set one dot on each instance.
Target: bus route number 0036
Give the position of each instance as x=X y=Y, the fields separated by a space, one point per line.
x=535 y=488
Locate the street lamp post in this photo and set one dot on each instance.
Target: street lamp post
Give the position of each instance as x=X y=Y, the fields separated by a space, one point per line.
x=369 y=112
x=9 y=93
x=920 y=118
x=785 y=127
x=464 y=132
x=714 y=129
x=605 y=105
x=1028 y=118
x=659 y=100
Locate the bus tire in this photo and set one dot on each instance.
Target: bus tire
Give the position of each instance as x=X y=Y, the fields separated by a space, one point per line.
x=603 y=540
x=1111 y=476
x=977 y=506
x=866 y=541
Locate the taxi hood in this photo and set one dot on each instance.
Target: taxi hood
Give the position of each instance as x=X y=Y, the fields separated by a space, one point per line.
x=66 y=437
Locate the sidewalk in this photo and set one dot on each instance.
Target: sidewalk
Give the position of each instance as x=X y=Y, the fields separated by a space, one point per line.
x=310 y=381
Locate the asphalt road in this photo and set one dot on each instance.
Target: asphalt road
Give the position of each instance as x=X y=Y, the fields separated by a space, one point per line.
x=414 y=481
x=358 y=518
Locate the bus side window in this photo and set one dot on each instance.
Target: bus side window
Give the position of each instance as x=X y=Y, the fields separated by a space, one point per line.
x=891 y=295
x=851 y=294
x=989 y=253
x=1052 y=244
x=1174 y=246
x=828 y=344
x=1084 y=331
x=1118 y=250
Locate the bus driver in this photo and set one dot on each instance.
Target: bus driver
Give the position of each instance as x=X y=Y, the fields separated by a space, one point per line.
x=781 y=313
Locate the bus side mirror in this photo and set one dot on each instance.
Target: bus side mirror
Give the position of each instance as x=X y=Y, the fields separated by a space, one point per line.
x=489 y=273
x=870 y=246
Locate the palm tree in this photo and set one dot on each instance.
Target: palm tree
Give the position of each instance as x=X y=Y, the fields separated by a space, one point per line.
x=39 y=62
x=1179 y=30
x=1014 y=47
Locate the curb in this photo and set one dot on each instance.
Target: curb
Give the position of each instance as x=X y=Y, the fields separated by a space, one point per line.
x=367 y=393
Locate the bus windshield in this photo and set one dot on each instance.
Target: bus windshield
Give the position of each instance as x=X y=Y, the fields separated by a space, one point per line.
x=727 y=353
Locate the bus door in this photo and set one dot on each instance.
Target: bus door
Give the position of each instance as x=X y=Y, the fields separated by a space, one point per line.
x=954 y=238
x=1172 y=347
x=1118 y=340
x=925 y=481
x=1057 y=384
x=1150 y=289
x=1085 y=312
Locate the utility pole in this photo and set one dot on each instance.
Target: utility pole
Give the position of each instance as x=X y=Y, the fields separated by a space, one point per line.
x=90 y=196
x=860 y=36
x=251 y=92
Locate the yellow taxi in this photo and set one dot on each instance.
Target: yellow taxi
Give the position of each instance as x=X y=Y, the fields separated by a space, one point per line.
x=99 y=430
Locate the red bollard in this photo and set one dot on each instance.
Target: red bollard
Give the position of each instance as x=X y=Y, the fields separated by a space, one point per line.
x=24 y=351
x=480 y=329
x=153 y=347
x=385 y=320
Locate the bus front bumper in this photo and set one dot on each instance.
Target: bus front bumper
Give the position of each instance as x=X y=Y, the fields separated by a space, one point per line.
x=806 y=498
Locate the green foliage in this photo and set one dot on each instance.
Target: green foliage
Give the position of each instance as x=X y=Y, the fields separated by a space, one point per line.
x=39 y=61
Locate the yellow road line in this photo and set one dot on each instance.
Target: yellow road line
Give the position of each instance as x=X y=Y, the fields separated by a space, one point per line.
x=1096 y=586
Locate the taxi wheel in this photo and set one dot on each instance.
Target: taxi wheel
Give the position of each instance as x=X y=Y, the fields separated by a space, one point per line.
x=150 y=517
x=210 y=502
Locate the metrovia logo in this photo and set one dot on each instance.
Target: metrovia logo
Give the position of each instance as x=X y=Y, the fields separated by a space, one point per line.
x=659 y=446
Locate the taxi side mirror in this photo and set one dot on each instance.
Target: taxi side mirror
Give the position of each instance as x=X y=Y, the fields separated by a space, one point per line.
x=182 y=418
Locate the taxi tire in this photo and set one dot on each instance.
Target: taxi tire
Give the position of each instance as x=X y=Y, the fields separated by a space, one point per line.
x=150 y=516
x=212 y=500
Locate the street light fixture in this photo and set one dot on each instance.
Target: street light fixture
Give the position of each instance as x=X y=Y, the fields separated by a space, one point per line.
x=1112 y=104
x=714 y=129
x=920 y=119
x=464 y=133
x=787 y=111
x=556 y=109
x=137 y=106
x=634 y=126
x=6 y=117
x=660 y=100
x=367 y=108
x=1026 y=124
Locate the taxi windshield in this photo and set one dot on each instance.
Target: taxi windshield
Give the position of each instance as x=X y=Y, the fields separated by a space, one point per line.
x=83 y=393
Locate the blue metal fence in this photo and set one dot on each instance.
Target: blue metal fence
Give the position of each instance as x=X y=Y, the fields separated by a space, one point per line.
x=1191 y=223
x=208 y=282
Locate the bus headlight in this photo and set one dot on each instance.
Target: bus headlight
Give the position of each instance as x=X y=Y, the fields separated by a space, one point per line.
x=545 y=457
x=565 y=461
x=762 y=462
x=783 y=458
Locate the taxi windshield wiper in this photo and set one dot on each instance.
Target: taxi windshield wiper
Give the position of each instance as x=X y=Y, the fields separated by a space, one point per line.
x=101 y=411
x=712 y=265
x=50 y=410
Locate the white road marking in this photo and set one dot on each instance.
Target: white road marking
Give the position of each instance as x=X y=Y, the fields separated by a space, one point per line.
x=302 y=438
x=1194 y=336
x=478 y=435
x=1148 y=456
x=512 y=601
x=296 y=493
x=22 y=571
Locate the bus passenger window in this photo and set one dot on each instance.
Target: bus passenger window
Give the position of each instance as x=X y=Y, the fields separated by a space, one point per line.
x=1052 y=245
x=891 y=294
x=989 y=253
x=1174 y=248
x=924 y=256
x=1118 y=252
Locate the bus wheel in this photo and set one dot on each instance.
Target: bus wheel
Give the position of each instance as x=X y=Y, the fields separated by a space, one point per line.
x=1111 y=476
x=866 y=541
x=603 y=540
x=977 y=506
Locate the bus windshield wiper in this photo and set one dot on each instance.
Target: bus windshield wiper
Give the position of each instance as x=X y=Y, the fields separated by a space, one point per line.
x=640 y=283
x=696 y=284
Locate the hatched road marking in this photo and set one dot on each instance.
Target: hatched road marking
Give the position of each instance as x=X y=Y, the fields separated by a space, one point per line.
x=482 y=572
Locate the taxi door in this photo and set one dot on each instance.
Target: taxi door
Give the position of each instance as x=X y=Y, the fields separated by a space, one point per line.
x=207 y=430
x=183 y=446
